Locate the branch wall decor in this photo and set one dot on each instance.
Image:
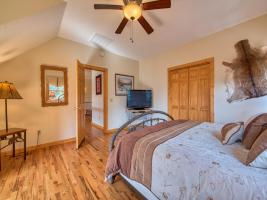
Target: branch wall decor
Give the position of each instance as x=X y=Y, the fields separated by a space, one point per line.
x=248 y=73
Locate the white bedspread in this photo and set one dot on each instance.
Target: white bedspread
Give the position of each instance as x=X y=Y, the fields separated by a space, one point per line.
x=195 y=165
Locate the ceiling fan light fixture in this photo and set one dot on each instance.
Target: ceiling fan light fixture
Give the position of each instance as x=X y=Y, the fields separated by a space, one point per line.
x=132 y=11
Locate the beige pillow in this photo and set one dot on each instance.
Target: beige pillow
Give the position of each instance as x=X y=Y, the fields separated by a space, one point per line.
x=257 y=156
x=253 y=129
x=232 y=132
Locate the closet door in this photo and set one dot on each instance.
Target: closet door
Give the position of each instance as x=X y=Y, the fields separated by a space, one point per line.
x=204 y=94
x=183 y=93
x=173 y=95
x=193 y=94
x=178 y=93
x=199 y=93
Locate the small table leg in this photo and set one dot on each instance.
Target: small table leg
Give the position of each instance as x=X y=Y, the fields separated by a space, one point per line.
x=14 y=145
x=0 y=155
x=25 y=150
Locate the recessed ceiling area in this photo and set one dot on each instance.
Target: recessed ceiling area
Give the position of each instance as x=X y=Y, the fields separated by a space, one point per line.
x=185 y=21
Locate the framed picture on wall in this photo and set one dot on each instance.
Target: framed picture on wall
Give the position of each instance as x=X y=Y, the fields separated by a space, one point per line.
x=123 y=83
x=98 y=84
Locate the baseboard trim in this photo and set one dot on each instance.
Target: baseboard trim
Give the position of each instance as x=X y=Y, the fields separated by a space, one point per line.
x=42 y=146
x=97 y=126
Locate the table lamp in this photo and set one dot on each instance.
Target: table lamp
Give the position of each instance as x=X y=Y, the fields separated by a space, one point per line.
x=8 y=91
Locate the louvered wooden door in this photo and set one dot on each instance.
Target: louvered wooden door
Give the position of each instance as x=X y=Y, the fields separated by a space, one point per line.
x=191 y=92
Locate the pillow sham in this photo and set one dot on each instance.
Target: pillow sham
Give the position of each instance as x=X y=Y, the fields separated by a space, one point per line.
x=232 y=132
x=257 y=156
x=250 y=119
x=253 y=129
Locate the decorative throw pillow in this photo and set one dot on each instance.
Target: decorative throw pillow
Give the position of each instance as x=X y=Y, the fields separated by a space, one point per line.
x=250 y=119
x=257 y=156
x=232 y=132
x=253 y=129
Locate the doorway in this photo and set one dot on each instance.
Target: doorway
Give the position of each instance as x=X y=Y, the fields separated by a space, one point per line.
x=92 y=99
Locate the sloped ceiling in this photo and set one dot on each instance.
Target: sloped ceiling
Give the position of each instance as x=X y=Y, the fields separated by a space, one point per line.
x=14 y=9
x=186 y=21
x=20 y=35
x=76 y=20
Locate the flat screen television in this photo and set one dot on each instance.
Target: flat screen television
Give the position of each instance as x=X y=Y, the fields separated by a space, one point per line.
x=139 y=99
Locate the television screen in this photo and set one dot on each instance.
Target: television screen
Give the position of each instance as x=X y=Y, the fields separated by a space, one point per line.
x=139 y=99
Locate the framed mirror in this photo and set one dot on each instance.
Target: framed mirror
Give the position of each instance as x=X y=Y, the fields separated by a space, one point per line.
x=54 y=86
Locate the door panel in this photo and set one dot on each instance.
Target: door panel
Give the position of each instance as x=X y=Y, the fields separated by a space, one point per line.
x=204 y=94
x=178 y=93
x=199 y=96
x=80 y=107
x=183 y=93
x=193 y=94
x=174 y=97
x=191 y=91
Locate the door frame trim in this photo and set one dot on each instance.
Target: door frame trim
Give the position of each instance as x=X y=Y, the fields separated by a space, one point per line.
x=209 y=61
x=105 y=93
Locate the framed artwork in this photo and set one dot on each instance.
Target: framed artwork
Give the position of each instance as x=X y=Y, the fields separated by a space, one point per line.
x=123 y=83
x=98 y=84
x=54 y=86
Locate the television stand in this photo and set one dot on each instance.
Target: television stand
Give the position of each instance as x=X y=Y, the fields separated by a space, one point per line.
x=135 y=112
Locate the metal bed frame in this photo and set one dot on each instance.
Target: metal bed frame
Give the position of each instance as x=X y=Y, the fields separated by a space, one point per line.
x=134 y=124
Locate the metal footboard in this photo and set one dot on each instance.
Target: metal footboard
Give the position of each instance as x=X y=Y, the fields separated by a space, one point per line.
x=135 y=123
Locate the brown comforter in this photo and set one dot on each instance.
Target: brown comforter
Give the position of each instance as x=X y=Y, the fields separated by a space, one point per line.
x=132 y=156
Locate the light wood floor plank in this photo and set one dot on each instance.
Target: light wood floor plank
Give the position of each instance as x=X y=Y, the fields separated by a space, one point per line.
x=62 y=172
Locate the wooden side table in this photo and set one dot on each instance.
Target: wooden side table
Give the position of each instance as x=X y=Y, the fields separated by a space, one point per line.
x=16 y=136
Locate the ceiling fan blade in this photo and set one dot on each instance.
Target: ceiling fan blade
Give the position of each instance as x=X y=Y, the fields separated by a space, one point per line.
x=159 y=4
x=145 y=25
x=122 y=25
x=107 y=6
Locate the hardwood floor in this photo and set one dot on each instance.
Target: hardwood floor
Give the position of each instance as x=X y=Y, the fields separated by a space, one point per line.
x=62 y=172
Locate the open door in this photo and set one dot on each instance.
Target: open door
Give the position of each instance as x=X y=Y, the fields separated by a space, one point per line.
x=80 y=105
x=81 y=121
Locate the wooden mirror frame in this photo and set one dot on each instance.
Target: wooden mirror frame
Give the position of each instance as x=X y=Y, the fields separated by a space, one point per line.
x=65 y=71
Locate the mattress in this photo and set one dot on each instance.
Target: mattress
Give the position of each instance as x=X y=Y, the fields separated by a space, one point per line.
x=195 y=165
x=146 y=193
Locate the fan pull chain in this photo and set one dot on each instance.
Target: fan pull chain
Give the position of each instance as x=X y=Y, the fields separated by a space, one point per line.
x=132 y=33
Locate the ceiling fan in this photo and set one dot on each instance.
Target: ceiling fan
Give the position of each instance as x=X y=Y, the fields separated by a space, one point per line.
x=133 y=9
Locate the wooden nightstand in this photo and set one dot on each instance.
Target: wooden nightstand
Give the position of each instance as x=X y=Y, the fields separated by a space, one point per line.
x=16 y=137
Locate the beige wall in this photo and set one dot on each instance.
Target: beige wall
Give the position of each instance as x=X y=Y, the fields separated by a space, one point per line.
x=57 y=123
x=221 y=47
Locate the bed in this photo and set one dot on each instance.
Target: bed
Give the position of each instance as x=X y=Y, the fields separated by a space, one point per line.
x=170 y=159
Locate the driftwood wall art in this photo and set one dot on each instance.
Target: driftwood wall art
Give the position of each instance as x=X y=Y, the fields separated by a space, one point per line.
x=248 y=73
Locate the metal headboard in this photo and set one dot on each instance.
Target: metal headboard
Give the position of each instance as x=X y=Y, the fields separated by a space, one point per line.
x=147 y=122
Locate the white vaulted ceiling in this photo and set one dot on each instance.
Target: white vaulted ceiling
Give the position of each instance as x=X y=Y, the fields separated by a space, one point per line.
x=186 y=21
x=20 y=35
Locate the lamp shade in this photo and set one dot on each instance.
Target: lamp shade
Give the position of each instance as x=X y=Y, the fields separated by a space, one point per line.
x=8 y=91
